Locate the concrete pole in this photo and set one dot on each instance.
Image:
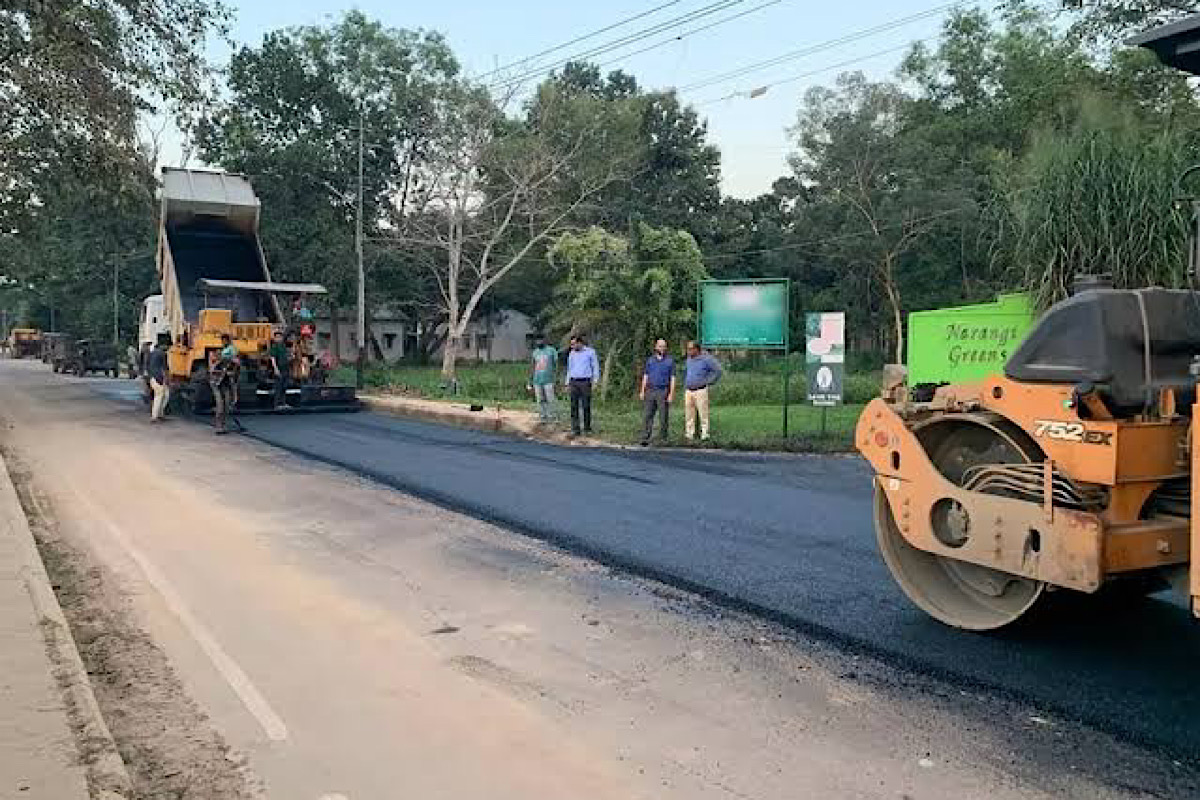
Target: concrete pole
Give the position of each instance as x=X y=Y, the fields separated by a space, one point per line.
x=116 y=305
x=362 y=290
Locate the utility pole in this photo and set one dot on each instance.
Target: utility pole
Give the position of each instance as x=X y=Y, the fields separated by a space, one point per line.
x=362 y=290
x=116 y=304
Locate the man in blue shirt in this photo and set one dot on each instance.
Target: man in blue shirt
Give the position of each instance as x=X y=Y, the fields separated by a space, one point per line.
x=658 y=390
x=702 y=372
x=583 y=370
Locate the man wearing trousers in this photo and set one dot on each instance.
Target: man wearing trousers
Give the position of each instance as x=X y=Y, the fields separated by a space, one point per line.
x=702 y=372
x=583 y=370
x=156 y=373
x=541 y=378
x=658 y=391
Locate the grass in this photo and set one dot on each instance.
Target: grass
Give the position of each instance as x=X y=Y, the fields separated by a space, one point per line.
x=746 y=404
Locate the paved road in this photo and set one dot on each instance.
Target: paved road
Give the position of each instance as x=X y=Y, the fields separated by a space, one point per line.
x=788 y=537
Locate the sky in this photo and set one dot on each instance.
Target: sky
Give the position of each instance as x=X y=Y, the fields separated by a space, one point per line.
x=750 y=132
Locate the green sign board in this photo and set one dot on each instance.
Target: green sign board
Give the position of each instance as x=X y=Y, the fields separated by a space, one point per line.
x=968 y=343
x=744 y=314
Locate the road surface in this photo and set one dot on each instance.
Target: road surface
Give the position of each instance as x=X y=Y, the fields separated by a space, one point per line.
x=277 y=587
x=785 y=536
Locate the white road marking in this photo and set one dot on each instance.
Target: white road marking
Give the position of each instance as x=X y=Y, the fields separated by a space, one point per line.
x=237 y=679
x=333 y=797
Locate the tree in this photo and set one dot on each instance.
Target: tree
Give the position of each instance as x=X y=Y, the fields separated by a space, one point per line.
x=678 y=181
x=290 y=121
x=626 y=294
x=489 y=190
x=871 y=179
x=1113 y=20
x=76 y=77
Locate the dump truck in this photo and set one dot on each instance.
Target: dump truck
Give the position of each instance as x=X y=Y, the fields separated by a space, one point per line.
x=1074 y=466
x=24 y=343
x=215 y=282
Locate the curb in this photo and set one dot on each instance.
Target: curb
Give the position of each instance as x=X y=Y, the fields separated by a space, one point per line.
x=108 y=778
x=491 y=419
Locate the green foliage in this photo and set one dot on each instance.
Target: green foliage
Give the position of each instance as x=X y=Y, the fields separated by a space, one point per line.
x=625 y=294
x=290 y=121
x=1098 y=196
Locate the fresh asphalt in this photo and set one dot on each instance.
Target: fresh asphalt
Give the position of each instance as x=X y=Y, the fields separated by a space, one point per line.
x=786 y=537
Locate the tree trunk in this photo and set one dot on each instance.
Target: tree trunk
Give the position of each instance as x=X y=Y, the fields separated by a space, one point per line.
x=893 y=295
x=450 y=358
x=607 y=373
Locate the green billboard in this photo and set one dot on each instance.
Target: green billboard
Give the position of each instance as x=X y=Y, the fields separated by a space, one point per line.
x=968 y=343
x=749 y=314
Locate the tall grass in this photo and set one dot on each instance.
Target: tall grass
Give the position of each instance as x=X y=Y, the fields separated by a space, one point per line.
x=1098 y=198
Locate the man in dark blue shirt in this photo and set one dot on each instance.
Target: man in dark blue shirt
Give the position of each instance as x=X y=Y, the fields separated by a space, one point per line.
x=658 y=390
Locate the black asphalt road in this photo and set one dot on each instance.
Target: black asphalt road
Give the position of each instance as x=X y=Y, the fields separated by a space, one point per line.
x=783 y=536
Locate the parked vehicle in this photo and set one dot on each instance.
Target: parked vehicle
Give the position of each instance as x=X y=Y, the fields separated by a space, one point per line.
x=90 y=355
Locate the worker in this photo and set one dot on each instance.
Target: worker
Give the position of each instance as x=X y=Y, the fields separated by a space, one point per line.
x=223 y=369
x=143 y=368
x=156 y=374
x=280 y=360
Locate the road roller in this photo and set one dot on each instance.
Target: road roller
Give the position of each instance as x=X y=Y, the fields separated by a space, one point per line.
x=1072 y=469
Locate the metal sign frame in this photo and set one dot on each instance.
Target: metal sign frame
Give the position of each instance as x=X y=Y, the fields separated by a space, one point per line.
x=785 y=346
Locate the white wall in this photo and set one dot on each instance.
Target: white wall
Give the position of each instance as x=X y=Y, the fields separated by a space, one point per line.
x=503 y=337
x=389 y=332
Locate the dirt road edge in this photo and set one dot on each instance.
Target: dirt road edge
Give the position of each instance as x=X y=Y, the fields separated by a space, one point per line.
x=108 y=779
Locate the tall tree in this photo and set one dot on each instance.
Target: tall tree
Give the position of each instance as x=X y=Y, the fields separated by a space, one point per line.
x=489 y=191
x=873 y=182
x=291 y=120
x=76 y=77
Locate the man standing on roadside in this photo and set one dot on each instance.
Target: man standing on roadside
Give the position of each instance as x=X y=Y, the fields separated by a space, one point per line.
x=156 y=374
x=702 y=372
x=541 y=379
x=583 y=370
x=658 y=391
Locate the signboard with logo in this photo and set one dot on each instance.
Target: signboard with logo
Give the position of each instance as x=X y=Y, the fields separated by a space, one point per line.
x=825 y=357
x=744 y=315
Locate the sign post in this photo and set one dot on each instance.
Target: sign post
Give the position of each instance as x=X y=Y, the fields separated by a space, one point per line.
x=750 y=314
x=825 y=360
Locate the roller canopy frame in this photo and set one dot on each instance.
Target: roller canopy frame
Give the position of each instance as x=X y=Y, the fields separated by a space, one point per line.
x=1176 y=45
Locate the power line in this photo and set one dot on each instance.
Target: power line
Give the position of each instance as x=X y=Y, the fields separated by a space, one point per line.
x=632 y=38
x=819 y=47
x=686 y=34
x=578 y=39
x=759 y=90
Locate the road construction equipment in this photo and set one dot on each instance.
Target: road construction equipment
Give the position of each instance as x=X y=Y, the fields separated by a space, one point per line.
x=24 y=343
x=1076 y=467
x=89 y=355
x=215 y=282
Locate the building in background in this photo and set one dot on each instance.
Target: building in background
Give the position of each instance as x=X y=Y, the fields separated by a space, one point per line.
x=504 y=336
